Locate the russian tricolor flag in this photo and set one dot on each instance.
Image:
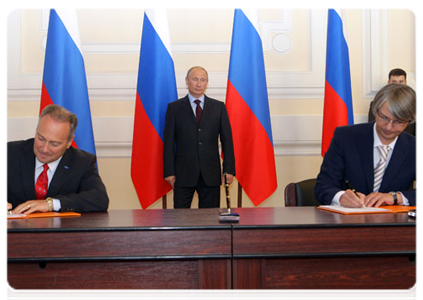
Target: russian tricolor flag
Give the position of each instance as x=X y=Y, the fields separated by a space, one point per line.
x=156 y=87
x=338 y=109
x=64 y=79
x=248 y=108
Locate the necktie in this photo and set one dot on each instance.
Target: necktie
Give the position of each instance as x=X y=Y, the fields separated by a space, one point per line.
x=198 y=111
x=42 y=184
x=380 y=167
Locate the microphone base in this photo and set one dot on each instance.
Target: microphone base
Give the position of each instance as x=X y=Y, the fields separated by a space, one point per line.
x=228 y=217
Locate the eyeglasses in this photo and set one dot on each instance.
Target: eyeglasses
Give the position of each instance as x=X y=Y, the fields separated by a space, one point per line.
x=387 y=120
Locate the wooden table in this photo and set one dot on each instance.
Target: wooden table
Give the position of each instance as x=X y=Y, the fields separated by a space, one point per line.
x=281 y=248
x=306 y=248
x=121 y=249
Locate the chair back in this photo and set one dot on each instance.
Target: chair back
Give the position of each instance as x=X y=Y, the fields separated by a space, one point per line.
x=301 y=193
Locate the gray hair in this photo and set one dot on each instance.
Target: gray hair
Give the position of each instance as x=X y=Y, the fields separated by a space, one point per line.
x=61 y=114
x=197 y=67
x=401 y=101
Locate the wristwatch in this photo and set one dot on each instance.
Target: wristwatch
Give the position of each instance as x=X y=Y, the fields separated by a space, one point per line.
x=394 y=194
x=49 y=201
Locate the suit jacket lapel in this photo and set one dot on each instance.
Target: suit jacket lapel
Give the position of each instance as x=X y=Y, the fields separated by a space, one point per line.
x=188 y=109
x=61 y=174
x=206 y=107
x=364 y=143
x=28 y=171
x=400 y=153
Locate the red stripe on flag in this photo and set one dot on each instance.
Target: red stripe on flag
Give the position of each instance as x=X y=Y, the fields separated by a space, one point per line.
x=249 y=137
x=147 y=159
x=45 y=98
x=46 y=101
x=335 y=113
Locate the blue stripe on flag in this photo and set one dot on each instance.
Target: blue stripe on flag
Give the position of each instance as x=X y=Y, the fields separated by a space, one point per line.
x=65 y=80
x=247 y=66
x=156 y=79
x=337 y=61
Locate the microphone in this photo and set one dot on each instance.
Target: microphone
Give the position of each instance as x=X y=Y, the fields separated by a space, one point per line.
x=228 y=216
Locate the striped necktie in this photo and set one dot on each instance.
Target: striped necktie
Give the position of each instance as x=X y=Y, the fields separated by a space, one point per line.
x=380 y=167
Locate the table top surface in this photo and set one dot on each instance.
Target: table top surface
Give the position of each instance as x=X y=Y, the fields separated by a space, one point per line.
x=190 y=219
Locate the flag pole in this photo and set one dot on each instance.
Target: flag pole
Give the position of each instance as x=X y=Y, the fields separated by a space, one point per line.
x=239 y=195
x=164 y=201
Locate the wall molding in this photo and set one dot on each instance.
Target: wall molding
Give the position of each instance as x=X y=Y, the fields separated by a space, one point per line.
x=307 y=84
x=375 y=40
x=282 y=85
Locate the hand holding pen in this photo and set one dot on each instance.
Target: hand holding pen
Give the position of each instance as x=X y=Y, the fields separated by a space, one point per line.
x=9 y=208
x=351 y=197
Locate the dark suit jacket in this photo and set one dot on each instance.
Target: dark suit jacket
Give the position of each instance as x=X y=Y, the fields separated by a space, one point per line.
x=76 y=182
x=350 y=157
x=190 y=148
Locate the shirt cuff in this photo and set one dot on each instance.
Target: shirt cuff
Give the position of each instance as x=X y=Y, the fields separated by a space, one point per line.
x=335 y=200
x=56 y=205
x=405 y=201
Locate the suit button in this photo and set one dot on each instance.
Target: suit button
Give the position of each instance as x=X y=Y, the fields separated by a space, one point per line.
x=199 y=143
x=199 y=129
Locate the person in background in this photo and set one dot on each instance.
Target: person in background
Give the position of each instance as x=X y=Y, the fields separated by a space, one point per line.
x=373 y=164
x=47 y=173
x=191 y=160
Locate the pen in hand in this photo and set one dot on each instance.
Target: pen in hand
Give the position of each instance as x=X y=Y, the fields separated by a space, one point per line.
x=353 y=190
x=9 y=208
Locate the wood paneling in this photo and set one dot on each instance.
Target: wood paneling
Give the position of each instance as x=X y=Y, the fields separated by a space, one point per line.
x=273 y=248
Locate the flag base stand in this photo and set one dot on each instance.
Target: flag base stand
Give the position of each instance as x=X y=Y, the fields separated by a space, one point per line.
x=228 y=217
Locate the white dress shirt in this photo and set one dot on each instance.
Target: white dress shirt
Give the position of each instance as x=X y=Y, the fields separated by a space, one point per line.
x=193 y=104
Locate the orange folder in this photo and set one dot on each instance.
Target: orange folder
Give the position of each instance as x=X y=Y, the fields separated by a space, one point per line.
x=44 y=215
x=399 y=208
x=367 y=210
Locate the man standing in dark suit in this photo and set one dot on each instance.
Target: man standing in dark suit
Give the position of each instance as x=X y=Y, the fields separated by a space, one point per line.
x=47 y=174
x=376 y=159
x=191 y=157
